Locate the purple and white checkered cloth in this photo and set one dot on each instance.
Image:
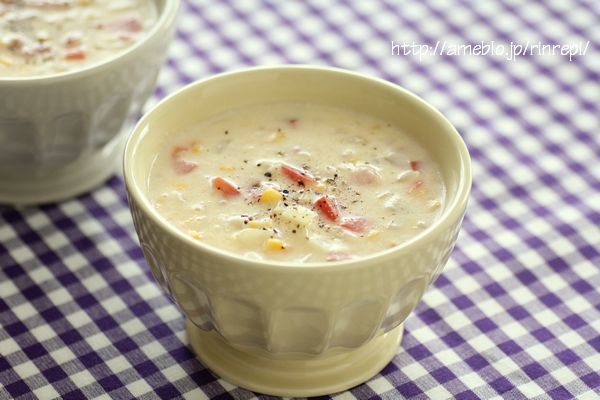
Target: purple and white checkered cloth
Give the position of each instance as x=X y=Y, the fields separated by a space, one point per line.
x=516 y=313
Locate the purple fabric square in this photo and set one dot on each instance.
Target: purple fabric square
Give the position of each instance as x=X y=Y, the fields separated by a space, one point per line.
x=477 y=362
x=33 y=292
x=34 y=351
x=575 y=321
x=501 y=385
x=518 y=312
x=560 y=393
x=17 y=389
x=110 y=383
x=550 y=300
x=70 y=337
x=534 y=370
x=543 y=335
x=467 y=395
x=510 y=347
x=125 y=345
x=419 y=352
x=54 y=374
x=409 y=389
x=4 y=365
x=568 y=357
x=52 y=314
x=167 y=391
x=13 y=271
x=443 y=375
x=90 y=359
x=486 y=325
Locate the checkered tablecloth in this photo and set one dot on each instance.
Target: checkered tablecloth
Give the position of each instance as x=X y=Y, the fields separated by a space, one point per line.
x=516 y=313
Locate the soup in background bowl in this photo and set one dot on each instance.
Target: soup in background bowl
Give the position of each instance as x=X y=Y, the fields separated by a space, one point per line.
x=48 y=37
x=272 y=324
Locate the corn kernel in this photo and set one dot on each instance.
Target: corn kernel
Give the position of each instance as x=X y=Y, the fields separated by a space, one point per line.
x=434 y=204
x=373 y=234
x=181 y=186
x=277 y=136
x=271 y=196
x=319 y=187
x=196 y=149
x=195 y=234
x=227 y=168
x=260 y=223
x=274 y=244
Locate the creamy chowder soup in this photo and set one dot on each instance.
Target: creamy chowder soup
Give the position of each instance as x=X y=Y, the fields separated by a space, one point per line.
x=40 y=37
x=296 y=182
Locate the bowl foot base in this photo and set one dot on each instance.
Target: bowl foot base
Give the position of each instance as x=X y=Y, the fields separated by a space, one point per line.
x=309 y=376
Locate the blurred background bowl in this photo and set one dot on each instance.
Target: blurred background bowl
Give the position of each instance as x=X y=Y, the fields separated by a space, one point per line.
x=63 y=134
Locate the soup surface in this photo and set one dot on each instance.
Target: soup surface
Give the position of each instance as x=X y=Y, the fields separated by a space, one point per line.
x=296 y=182
x=41 y=37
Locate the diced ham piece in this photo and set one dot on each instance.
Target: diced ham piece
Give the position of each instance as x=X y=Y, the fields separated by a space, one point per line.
x=73 y=39
x=129 y=25
x=355 y=224
x=183 y=167
x=365 y=175
x=180 y=165
x=338 y=256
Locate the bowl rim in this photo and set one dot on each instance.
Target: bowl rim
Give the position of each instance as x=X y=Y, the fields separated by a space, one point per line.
x=452 y=212
x=165 y=20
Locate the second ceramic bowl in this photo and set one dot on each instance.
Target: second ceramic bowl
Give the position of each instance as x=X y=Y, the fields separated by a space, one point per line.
x=63 y=134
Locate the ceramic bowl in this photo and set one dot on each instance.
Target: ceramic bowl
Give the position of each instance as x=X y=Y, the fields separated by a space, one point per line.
x=63 y=134
x=286 y=328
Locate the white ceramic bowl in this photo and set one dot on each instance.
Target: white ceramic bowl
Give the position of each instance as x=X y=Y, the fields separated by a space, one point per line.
x=63 y=134
x=287 y=328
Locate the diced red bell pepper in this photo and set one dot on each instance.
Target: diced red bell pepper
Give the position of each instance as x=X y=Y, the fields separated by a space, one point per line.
x=355 y=224
x=75 y=55
x=415 y=165
x=298 y=175
x=328 y=206
x=225 y=186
